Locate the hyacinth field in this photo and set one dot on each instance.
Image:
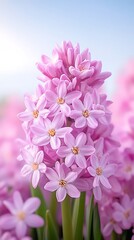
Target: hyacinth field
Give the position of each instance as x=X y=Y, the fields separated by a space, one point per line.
x=67 y=153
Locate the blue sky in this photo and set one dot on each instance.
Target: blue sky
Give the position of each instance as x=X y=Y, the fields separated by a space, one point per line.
x=30 y=28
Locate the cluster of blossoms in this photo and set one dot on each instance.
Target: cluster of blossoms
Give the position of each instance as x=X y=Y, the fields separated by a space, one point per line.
x=118 y=211
x=16 y=215
x=67 y=126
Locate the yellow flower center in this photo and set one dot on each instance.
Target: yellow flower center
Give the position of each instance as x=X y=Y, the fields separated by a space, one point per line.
x=51 y=132
x=60 y=100
x=35 y=166
x=99 y=171
x=85 y=113
x=62 y=183
x=21 y=215
x=75 y=150
x=35 y=113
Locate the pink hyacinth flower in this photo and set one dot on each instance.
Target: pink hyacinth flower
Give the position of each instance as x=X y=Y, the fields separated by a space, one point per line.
x=124 y=212
x=83 y=113
x=34 y=111
x=61 y=181
x=101 y=171
x=61 y=100
x=22 y=215
x=34 y=166
x=75 y=150
x=51 y=132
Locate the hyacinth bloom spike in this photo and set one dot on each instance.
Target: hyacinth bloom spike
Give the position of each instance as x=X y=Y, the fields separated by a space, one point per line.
x=21 y=215
x=34 y=111
x=61 y=180
x=75 y=150
x=34 y=166
x=52 y=132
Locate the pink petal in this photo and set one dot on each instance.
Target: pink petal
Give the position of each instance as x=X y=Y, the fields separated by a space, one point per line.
x=72 y=191
x=18 y=201
x=97 y=113
x=34 y=220
x=42 y=167
x=62 y=131
x=81 y=161
x=105 y=181
x=51 y=174
x=118 y=216
x=25 y=116
x=52 y=186
x=29 y=104
x=61 y=194
x=41 y=141
x=87 y=101
x=91 y=171
x=63 y=151
x=65 y=109
x=109 y=170
x=51 y=96
x=77 y=105
x=27 y=156
x=71 y=177
x=55 y=142
x=96 y=182
x=87 y=150
x=35 y=178
x=92 y=123
x=58 y=121
x=44 y=113
x=80 y=122
x=7 y=218
x=97 y=193
x=31 y=205
x=81 y=139
x=107 y=230
x=41 y=102
x=69 y=160
x=94 y=161
x=26 y=170
x=38 y=130
x=39 y=157
x=74 y=114
x=21 y=229
x=71 y=139
x=72 y=95
x=62 y=90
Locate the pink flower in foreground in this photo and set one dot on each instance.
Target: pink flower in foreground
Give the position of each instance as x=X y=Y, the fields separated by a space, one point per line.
x=61 y=100
x=22 y=215
x=34 y=166
x=76 y=150
x=61 y=181
x=124 y=212
x=51 y=132
x=83 y=113
x=101 y=170
x=34 y=111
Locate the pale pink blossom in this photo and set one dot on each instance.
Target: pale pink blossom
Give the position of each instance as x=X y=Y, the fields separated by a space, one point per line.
x=34 y=166
x=21 y=215
x=51 y=133
x=75 y=150
x=61 y=100
x=34 y=111
x=101 y=170
x=84 y=113
x=61 y=180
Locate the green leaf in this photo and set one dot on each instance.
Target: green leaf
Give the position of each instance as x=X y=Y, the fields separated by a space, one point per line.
x=51 y=231
x=90 y=218
x=78 y=216
x=41 y=211
x=96 y=224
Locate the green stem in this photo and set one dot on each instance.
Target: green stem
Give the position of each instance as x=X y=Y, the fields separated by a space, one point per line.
x=53 y=206
x=113 y=236
x=67 y=219
x=78 y=216
x=90 y=219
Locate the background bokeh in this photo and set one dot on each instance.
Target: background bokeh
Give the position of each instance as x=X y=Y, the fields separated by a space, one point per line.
x=30 y=28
